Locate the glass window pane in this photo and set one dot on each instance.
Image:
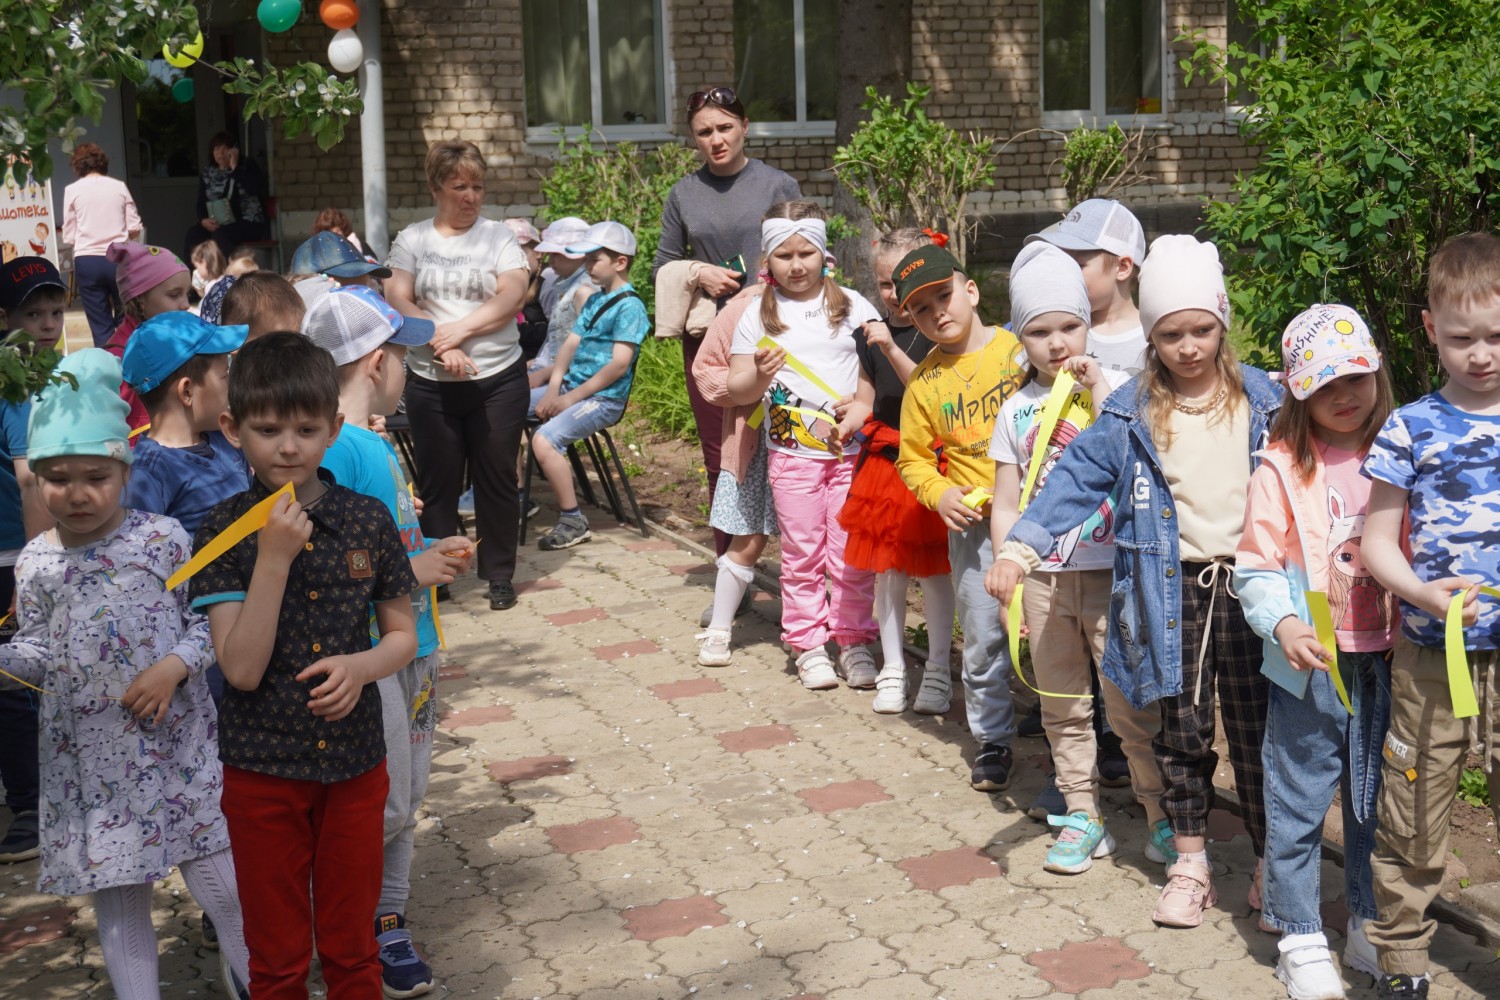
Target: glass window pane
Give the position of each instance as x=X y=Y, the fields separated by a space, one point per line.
x=765 y=58
x=1065 y=55
x=1240 y=15
x=820 y=28
x=555 y=46
x=166 y=129
x=630 y=59
x=1132 y=60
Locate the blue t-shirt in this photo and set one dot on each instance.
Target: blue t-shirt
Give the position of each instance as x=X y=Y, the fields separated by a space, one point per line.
x=1446 y=460
x=13 y=417
x=365 y=462
x=185 y=483
x=625 y=322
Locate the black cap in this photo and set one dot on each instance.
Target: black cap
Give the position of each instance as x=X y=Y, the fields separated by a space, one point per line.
x=924 y=266
x=20 y=276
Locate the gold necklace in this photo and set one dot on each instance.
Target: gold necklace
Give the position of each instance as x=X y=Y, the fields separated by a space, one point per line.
x=1200 y=410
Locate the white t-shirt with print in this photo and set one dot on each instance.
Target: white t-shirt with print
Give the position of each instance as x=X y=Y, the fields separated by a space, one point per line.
x=453 y=276
x=1121 y=352
x=828 y=352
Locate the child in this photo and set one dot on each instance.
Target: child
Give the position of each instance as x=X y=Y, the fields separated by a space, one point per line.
x=590 y=383
x=1303 y=524
x=812 y=320
x=152 y=281
x=241 y=263
x=303 y=739
x=947 y=418
x=1179 y=444
x=567 y=294
x=1436 y=459
x=265 y=302
x=208 y=267
x=331 y=261
x=1109 y=245
x=367 y=340
x=890 y=534
x=132 y=776
x=1066 y=603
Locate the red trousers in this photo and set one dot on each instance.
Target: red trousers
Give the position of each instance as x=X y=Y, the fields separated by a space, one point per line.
x=290 y=837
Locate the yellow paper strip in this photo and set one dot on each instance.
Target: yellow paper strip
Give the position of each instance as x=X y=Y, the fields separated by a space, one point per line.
x=246 y=525
x=139 y=431
x=1057 y=401
x=977 y=498
x=1460 y=685
x=797 y=366
x=1322 y=623
x=1013 y=630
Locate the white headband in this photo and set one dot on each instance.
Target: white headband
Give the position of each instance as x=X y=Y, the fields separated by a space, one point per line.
x=774 y=232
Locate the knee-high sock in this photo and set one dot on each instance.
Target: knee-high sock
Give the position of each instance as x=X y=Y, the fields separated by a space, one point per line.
x=211 y=881
x=890 y=615
x=729 y=590
x=128 y=939
x=939 y=604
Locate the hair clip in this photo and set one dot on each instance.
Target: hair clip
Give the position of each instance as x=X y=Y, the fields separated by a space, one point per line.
x=827 y=272
x=766 y=278
x=938 y=239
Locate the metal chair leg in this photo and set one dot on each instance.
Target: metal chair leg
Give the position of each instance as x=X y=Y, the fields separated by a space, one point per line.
x=530 y=433
x=606 y=481
x=635 y=507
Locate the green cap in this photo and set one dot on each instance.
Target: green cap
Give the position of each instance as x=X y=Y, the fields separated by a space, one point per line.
x=924 y=266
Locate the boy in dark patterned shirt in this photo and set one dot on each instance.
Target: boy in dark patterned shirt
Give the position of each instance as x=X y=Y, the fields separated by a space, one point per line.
x=301 y=732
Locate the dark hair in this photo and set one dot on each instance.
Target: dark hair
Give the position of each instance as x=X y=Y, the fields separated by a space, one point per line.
x=259 y=292
x=89 y=158
x=195 y=370
x=283 y=374
x=222 y=139
x=331 y=219
x=723 y=98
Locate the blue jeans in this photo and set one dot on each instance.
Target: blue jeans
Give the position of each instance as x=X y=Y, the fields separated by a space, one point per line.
x=986 y=655
x=578 y=421
x=1313 y=747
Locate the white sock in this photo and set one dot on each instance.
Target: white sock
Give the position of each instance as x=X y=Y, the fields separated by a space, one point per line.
x=939 y=604
x=1199 y=856
x=128 y=939
x=211 y=881
x=890 y=615
x=729 y=589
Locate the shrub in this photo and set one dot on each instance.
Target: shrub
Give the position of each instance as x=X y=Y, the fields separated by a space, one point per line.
x=1101 y=163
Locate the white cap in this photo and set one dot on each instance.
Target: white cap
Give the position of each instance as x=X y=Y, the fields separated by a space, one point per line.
x=557 y=236
x=1098 y=224
x=605 y=236
x=1182 y=273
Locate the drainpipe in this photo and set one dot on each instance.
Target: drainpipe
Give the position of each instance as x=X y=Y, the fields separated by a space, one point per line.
x=377 y=232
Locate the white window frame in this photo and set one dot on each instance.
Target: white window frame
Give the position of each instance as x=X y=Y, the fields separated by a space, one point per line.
x=650 y=132
x=801 y=128
x=1094 y=115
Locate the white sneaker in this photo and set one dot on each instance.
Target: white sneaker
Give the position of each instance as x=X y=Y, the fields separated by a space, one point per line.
x=1359 y=953
x=816 y=670
x=890 y=689
x=857 y=666
x=713 y=647
x=936 y=693
x=1307 y=969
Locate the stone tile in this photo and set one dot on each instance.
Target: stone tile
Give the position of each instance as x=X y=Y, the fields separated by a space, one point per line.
x=1084 y=965
x=593 y=835
x=34 y=926
x=672 y=690
x=692 y=569
x=451 y=672
x=674 y=917
x=1224 y=825
x=527 y=768
x=620 y=650
x=655 y=545
x=843 y=795
x=757 y=738
x=537 y=585
x=577 y=617
x=958 y=866
x=481 y=716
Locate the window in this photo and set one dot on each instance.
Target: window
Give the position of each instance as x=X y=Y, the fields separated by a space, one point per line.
x=786 y=76
x=1100 y=58
x=593 y=64
x=1239 y=18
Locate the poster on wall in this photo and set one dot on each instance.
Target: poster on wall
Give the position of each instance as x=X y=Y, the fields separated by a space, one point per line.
x=27 y=225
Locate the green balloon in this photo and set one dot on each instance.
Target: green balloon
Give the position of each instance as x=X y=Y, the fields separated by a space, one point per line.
x=278 y=15
x=182 y=91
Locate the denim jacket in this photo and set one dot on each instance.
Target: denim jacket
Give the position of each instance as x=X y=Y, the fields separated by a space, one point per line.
x=1143 y=649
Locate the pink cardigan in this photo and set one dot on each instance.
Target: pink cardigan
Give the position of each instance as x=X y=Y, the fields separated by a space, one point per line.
x=711 y=373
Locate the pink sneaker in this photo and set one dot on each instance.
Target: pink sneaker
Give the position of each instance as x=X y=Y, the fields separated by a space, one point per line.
x=1188 y=892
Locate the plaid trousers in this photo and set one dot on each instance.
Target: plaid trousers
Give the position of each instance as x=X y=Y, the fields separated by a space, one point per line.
x=1185 y=746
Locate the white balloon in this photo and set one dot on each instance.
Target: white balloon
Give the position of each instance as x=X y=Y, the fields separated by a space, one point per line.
x=345 y=53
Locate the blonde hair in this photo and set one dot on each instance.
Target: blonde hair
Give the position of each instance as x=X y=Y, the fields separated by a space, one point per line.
x=1294 y=424
x=209 y=256
x=902 y=241
x=1157 y=390
x=1465 y=271
x=834 y=299
x=450 y=157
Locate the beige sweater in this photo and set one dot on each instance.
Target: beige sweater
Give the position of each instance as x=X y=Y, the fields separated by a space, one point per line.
x=681 y=306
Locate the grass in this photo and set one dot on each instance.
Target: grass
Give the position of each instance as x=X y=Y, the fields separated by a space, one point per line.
x=1473 y=788
x=659 y=393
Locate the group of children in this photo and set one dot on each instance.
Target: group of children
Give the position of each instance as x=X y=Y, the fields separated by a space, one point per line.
x=1190 y=531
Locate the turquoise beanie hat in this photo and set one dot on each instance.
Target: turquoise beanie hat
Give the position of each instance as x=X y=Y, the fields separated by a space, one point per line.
x=87 y=420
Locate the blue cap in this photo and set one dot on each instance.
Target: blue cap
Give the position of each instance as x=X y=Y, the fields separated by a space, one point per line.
x=351 y=321
x=167 y=341
x=329 y=253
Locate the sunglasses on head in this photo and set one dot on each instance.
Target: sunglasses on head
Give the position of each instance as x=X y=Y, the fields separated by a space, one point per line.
x=723 y=97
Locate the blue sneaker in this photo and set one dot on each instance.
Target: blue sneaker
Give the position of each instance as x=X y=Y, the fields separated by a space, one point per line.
x=1082 y=840
x=1049 y=801
x=402 y=971
x=1161 y=846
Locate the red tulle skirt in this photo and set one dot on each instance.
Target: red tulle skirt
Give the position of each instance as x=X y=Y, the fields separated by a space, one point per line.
x=888 y=529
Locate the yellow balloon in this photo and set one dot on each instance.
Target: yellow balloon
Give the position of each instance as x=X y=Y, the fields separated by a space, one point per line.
x=190 y=53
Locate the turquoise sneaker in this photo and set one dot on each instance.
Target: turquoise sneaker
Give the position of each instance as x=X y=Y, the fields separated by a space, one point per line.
x=1161 y=846
x=1081 y=841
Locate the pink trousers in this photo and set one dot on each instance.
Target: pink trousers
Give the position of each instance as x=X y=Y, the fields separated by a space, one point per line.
x=809 y=494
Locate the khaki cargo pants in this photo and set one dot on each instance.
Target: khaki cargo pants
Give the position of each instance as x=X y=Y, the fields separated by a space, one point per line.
x=1424 y=756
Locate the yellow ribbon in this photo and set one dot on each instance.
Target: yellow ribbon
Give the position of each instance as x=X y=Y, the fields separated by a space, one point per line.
x=1322 y=623
x=1465 y=705
x=796 y=365
x=437 y=622
x=246 y=525
x=139 y=431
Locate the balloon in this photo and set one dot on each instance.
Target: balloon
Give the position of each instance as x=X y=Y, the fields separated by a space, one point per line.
x=339 y=14
x=345 y=52
x=191 y=53
x=278 y=15
x=182 y=90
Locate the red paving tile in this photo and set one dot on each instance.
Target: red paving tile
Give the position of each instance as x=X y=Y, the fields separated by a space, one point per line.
x=593 y=835
x=652 y=546
x=686 y=689
x=1088 y=965
x=29 y=927
x=674 y=918
x=1335 y=914
x=539 y=584
x=578 y=617
x=757 y=738
x=527 y=768
x=1224 y=825
x=842 y=795
x=452 y=672
x=958 y=866
x=692 y=569
x=482 y=716
x=620 y=650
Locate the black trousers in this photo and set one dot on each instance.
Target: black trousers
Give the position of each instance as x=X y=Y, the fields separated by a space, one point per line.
x=477 y=424
x=100 y=295
x=20 y=761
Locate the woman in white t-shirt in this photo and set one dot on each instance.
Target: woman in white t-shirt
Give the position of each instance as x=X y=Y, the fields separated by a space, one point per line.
x=467 y=395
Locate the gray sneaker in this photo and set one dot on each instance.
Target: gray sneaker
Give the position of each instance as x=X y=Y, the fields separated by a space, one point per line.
x=567 y=533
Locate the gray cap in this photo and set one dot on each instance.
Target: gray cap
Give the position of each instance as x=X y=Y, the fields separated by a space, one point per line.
x=1098 y=224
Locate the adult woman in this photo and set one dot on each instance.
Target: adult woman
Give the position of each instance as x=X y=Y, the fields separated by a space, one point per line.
x=467 y=395
x=716 y=211
x=97 y=211
x=231 y=199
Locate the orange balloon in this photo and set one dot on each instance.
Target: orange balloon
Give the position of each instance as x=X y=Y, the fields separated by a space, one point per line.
x=339 y=14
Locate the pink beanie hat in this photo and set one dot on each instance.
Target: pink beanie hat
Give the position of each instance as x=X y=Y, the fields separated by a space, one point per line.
x=140 y=268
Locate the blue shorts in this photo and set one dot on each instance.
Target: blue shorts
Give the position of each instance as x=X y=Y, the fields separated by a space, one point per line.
x=578 y=421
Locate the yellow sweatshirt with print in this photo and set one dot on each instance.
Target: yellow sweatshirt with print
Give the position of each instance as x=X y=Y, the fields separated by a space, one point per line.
x=952 y=400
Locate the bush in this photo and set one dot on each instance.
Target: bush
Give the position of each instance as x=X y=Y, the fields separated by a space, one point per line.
x=1102 y=163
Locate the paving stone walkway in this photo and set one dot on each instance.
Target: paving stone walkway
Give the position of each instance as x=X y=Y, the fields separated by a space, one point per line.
x=609 y=820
